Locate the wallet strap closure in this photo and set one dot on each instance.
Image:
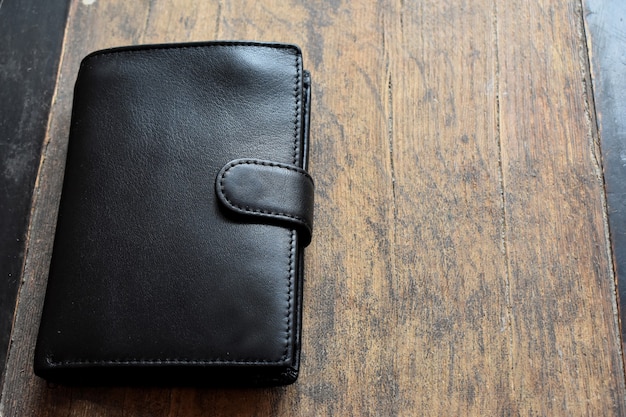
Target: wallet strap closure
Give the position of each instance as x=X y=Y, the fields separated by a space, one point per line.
x=268 y=190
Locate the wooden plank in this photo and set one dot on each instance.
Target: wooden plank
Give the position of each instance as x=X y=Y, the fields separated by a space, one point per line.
x=31 y=33
x=459 y=264
x=452 y=333
x=565 y=346
x=606 y=36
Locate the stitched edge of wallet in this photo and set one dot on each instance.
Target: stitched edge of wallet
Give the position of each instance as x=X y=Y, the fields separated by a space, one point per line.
x=292 y=242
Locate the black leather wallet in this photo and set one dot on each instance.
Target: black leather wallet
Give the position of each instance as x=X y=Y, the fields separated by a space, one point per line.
x=186 y=205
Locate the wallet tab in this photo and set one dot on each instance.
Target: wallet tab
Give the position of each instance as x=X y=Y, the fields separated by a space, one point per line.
x=268 y=190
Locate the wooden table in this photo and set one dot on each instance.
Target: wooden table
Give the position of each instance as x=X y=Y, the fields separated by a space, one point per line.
x=461 y=263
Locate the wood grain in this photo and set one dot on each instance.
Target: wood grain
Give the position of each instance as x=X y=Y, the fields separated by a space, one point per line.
x=460 y=264
x=453 y=336
x=560 y=277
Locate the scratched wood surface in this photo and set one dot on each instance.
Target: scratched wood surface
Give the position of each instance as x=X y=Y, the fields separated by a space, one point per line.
x=461 y=261
x=605 y=27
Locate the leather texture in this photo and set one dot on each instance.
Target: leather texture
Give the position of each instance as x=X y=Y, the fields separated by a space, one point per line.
x=268 y=190
x=152 y=279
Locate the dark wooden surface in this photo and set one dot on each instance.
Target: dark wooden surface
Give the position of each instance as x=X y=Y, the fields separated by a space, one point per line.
x=606 y=34
x=461 y=263
x=31 y=34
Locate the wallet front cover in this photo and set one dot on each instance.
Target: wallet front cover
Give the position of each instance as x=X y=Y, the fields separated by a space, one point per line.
x=152 y=279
